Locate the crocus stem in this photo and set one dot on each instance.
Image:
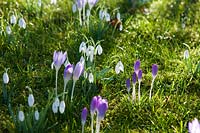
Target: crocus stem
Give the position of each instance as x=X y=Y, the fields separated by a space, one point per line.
x=133 y=93
x=56 y=82
x=139 y=91
x=151 y=88
x=98 y=125
x=83 y=128
x=65 y=84
x=80 y=19
x=92 y=122
x=74 y=82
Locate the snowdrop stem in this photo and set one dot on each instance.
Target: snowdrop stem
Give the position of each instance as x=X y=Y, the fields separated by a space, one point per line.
x=139 y=91
x=92 y=122
x=65 y=84
x=80 y=19
x=98 y=125
x=74 y=82
x=151 y=88
x=133 y=93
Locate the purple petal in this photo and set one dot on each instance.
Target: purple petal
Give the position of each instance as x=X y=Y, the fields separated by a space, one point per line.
x=137 y=66
x=93 y=105
x=154 y=70
x=78 y=71
x=84 y=115
x=128 y=83
x=134 y=78
x=102 y=108
x=140 y=74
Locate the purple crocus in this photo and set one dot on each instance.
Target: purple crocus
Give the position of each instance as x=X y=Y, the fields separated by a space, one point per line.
x=139 y=75
x=68 y=72
x=84 y=115
x=134 y=78
x=59 y=58
x=137 y=66
x=78 y=70
x=91 y=3
x=128 y=84
x=93 y=105
x=154 y=70
x=102 y=107
x=194 y=126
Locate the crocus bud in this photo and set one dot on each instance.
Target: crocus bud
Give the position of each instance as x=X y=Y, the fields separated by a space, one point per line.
x=78 y=71
x=21 y=116
x=79 y=4
x=194 y=126
x=22 y=23
x=37 y=115
x=91 y=78
x=62 y=107
x=154 y=70
x=84 y=115
x=119 y=67
x=59 y=58
x=92 y=3
x=137 y=66
x=30 y=100
x=68 y=72
x=134 y=78
x=5 y=77
x=102 y=108
x=128 y=84
x=140 y=75
x=13 y=19
x=93 y=105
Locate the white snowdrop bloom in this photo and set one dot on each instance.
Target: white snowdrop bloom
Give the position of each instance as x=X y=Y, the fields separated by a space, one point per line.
x=82 y=47
x=8 y=30
x=88 y=12
x=91 y=78
x=37 y=115
x=57 y=101
x=54 y=108
x=90 y=53
x=107 y=15
x=118 y=16
x=13 y=19
x=62 y=107
x=22 y=23
x=21 y=116
x=186 y=54
x=98 y=50
x=30 y=100
x=85 y=74
x=74 y=8
x=82 y=60
x=39 y=3
x=120 y=27
x=101 y=14
x=119 y=67
x=53 y=2
x=5 y=77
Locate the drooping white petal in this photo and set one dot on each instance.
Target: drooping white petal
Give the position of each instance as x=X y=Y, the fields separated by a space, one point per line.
x=91 y=78
x=107 y=17
x=62 y=107
x=22 y=23
x=54 y=108
x=85 y=74
x=82 y=60
x=186 y=54
x=119 y=67
x=37 y=115
x=53 y=2
x=90 y=53
x=21 y=116
x=5 y=78
x=30 y=100
x=88 y=13
x=98 y=50
x=39 y=3
x=74 y=8
x=57 y=101
x=120 y=27
x=8 y=30
x=13 y=19
x=82 y=47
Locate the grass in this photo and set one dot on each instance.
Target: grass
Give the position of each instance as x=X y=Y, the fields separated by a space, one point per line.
x=155 y=38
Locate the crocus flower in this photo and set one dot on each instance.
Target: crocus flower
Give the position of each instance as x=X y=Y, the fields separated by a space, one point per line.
x=78 y=70
x=5 y=77
x=119 y=67
x=139 y=81
x=98 y=50
x=62 y=107
x=21 y=116
x=93 y=105
x=82 y=47
x=154 y=70
x=59 y=58
x=30 y=100
x=91 y=3
x=8 y=30
x=68 y=72
x=84 y=115
x=186 y=54
x=91 y=78
x=128 y=84
x=53 y=2
x=37 y=115
x=194 y=126
x=22 y=23
x=90 y=53
x=137 y=66
x=13 y=19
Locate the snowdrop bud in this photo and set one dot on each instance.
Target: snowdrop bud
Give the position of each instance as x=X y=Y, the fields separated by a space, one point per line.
x=85 y=74
x=120 y=27
x=186 y=54
x=91 y=78
x=13 y=19
x=8 y=30
x=98 y=49
x=62 y=107
x=5 y=77
x=30 y=100
x=118 y=16
x=107 y=15
x=78 y=70
x=21 y=116
x=53 y=2
x=74 y=8
x=37 y=115
x=54 y=108
x=22 y=23
x=119 y=67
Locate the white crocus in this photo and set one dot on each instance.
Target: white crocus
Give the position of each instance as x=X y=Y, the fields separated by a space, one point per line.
x=186 y=54
x=21 y=116
x=5 y=77
x=90 y=53
x=13 y=19
x=53 y=2
x=62 y=107
x=119 y=67
x=54 y=108
x=22 y=23
x=30 y=100
x=8 y=30
x=98 y=50
x=37 y=115
x=74 y=9
x=82 y=47
x=91 y=78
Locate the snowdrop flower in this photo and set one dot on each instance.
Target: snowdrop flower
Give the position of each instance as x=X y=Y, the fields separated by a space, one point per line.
x=186 y=54
x=107 y=15
x=62 y=107
x=13 y=19
x=53 y=2
x=119 y=67
x=21 y=116
x=90 y=53
x=118 y=16
x=37 y=115
x=74 y=8
x=54 y=107
x=8 y=30
x=68 y=72
x=194 y=126
x=82 y=60
x=101 y=14
x=30 y=100
x=85 y=74
x=91 y=78
x=87 y=12
x=5 y=76
x=83 y=117
x=22 y=23
x=82 y=47
x=39 y=3
x=120 y=27
x=98 y=50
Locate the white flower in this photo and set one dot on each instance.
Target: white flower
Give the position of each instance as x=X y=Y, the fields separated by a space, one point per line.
x=13 y=19
x=91 y=78
x=22 y=23
x=37 y=115
x=88 y=13
x=98 y=50
x=21 y=116
x=82 y=47
x=85 y=74
x=186 y=54
x=90 y=53
x=53 y=2
x=57 y=101
x=54 y=107
x=194 y=126
x=39 y=3
x=74 y=8
x=118 y=16
x=62 y=107
x=101 y=14
x=120 y=27
x=119 y=67
x=30 y=100
x=107 y=15
x=8 y=30
x=5 y=77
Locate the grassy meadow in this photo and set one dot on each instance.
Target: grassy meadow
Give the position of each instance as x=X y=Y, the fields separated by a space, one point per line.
x=154 y=32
